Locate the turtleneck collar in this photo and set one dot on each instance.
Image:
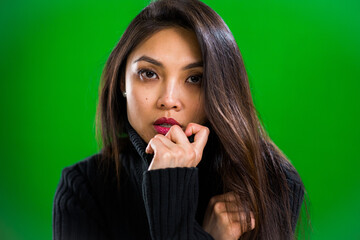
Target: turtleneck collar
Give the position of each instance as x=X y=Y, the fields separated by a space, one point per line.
x=134 y=159
x=139 y=144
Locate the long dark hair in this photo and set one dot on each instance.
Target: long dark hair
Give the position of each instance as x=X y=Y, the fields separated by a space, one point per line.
x=251 y=164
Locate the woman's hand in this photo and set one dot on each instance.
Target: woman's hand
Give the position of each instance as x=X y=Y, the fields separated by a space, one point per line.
x=223 y=219
x=175 y=150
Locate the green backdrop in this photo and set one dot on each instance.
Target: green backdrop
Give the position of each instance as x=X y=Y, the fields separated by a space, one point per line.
x=303 y=61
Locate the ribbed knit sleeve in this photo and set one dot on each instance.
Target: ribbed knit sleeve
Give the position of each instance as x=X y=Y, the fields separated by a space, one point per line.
x=75 y=209
x=171 y=197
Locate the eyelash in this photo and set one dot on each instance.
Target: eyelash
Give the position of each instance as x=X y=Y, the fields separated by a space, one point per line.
x=198 y=76
x=142 y=71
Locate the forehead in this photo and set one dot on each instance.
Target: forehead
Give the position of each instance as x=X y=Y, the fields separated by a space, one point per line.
x=170 y=43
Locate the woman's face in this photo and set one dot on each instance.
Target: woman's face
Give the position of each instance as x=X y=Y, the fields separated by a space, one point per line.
x=163 y=83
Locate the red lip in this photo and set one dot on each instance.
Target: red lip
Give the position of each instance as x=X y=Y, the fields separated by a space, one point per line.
x=161 y=129
x=165 y=120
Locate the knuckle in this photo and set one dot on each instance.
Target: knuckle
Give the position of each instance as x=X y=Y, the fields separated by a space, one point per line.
x=155 y=140
x=229 y=196
x=219 y=207
x=170 y=130
x=191 y=154
x=207 y=130
x=176 y=127
x=212 y=201
x=151 y=142
x=178 y=153
x=167 y=156
x=157 y=136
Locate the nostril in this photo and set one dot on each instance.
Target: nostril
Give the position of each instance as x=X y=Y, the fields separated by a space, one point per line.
x=169 y=104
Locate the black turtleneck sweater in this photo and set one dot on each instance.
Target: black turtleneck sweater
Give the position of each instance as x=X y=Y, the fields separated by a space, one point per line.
x=90 y=203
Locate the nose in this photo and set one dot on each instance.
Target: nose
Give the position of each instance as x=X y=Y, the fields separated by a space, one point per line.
x=169 y=97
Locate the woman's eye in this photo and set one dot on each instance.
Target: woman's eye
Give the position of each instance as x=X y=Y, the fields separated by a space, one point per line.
x=194 y=79
x=147 y=74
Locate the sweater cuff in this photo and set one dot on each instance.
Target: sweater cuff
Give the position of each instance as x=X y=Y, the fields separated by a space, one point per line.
x=170 y=197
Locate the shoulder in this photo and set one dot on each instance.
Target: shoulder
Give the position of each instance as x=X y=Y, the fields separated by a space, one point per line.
x=82 y=179
x=296 y=190
x=80 y=203
x=80 y=171
x=278 y=164
x=292 y=176
x=85 y=164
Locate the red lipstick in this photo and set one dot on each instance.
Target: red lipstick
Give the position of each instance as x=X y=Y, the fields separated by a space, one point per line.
x=163 y=125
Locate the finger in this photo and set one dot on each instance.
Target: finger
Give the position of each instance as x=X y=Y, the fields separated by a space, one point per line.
x=193 y=128
x=226 y=197
x=154 y=145
x=177 y=135
x=229 y=207
x=236 y=231
x=231 y=225
x=149 y=149
x=229 y=197
x=238 y=217
x=252 y=222
x=166 y=141
x=162 y=157
x=245 y=219
x=201 y=135
x=232 y=207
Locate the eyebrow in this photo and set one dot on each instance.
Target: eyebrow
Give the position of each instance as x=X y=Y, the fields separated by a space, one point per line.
x=157 y=63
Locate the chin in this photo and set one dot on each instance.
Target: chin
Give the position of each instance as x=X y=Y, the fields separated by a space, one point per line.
x=147 y=137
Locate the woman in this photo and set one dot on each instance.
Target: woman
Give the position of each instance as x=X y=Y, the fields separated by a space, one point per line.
x=184 y=155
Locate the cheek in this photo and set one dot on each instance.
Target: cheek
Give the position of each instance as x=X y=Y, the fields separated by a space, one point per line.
x=198 y=109
x=137 y=103
x=138 y=95
x=202 y=114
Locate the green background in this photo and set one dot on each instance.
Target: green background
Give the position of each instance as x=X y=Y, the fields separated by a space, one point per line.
x=303 y=61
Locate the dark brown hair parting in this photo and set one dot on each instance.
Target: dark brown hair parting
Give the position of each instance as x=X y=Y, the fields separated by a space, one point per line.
x=251 y=164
